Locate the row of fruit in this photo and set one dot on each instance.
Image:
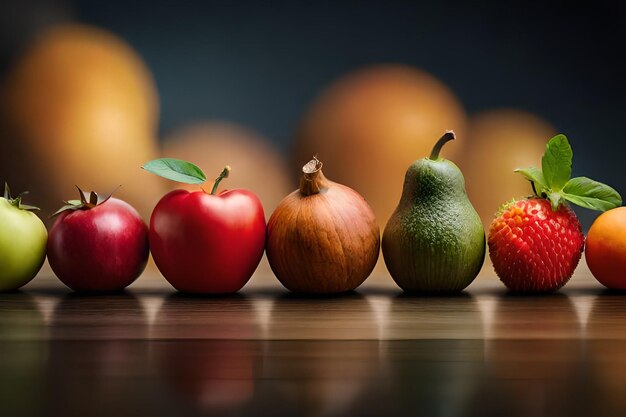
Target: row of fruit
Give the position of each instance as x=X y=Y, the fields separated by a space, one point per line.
x=324 y=237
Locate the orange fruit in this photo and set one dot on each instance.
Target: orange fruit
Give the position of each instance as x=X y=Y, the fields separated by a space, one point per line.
x=606 y=248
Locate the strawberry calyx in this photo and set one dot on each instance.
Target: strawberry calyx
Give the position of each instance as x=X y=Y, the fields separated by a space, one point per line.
x=84 y=203
x=553 y=181
x=17 y=201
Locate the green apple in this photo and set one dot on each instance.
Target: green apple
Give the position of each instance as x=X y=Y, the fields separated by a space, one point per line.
x=23 y=238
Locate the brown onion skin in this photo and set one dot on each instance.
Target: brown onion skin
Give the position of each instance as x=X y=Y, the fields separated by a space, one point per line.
x=322 y=238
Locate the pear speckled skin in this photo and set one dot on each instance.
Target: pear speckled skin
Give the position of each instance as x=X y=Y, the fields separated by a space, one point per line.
x=434 y=241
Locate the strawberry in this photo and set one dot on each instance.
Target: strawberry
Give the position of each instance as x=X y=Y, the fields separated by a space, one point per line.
x=535 y=243
x=534 y=248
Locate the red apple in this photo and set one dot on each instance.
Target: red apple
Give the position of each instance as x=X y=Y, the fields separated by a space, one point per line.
x=98 y=246
x=202 y=242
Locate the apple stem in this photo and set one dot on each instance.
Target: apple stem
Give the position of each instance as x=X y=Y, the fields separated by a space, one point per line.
x=223 y=174
x=448 y=136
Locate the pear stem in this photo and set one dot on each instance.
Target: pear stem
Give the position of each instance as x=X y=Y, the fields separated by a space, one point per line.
x=448 y=136
x=223 y=174
x=313 y=180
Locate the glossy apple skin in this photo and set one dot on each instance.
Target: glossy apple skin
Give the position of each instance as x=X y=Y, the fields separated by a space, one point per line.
x=208 y=244
x=22 y=246
x=101 y=249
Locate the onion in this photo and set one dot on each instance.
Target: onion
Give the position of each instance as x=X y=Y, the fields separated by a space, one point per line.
x=322 y=238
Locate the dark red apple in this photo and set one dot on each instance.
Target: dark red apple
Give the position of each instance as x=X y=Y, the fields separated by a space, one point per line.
x=98 y=246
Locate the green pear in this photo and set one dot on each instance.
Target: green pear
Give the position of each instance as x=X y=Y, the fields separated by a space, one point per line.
x=434 y=240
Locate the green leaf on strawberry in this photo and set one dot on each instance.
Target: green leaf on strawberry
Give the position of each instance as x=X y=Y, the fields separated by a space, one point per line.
x=553 y=182
x=556 y=162
x=535 y=176
x=591 y=194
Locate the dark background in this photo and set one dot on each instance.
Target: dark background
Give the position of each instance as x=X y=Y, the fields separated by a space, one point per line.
x=261 y=63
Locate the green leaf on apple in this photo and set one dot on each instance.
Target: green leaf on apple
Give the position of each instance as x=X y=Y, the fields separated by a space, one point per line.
x=176 y=170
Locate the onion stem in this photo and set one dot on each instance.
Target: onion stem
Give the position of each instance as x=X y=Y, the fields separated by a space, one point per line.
x=313 y=180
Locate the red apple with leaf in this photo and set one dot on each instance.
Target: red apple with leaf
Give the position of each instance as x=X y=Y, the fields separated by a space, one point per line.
x=205 y=242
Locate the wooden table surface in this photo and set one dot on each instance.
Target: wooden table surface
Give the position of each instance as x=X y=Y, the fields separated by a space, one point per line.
x=153 y=352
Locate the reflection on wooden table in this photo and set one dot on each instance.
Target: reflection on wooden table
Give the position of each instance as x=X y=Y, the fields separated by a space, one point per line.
x=151 y=351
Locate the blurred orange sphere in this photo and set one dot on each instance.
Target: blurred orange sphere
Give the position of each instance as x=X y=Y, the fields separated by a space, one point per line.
x=499 y=141
x=255 y=164
x=79 y=107
x=370 y=125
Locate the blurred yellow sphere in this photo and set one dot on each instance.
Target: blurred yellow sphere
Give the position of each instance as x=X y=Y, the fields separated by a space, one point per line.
x=255 y=164
x=499 y=141
x=370 y=125
x=79 y=107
